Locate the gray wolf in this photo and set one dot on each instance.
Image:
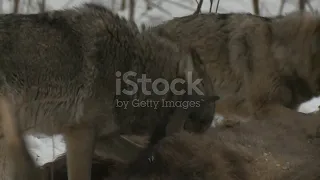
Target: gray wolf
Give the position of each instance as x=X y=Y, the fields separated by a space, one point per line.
x=262 y=68
x=59 y=71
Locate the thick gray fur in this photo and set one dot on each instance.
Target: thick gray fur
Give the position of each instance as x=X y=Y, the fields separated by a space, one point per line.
x=58 y=70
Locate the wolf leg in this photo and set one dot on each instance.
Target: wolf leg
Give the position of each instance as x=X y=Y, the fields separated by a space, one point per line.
x=22 y=166
x=80 y=143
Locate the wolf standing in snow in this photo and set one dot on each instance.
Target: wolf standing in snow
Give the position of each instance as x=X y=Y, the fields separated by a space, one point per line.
x=261 y=67
x=58 y=70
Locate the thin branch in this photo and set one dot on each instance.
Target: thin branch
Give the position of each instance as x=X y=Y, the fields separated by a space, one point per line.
x=281 y=7
x=131 y=10
x=256 y=7
x=198 y=10
x=16 y=6
x=123 y=5
x=302 y=5
x=310 y=6
x=211 y=2
x=217 y=7
x=42 y=6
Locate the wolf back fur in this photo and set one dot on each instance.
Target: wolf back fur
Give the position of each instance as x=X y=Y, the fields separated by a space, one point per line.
x=58 y=69
x=260 y=67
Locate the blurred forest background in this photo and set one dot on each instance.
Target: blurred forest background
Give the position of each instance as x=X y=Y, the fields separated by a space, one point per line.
x=153 y=12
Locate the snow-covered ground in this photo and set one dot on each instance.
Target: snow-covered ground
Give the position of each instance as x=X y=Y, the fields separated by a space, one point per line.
x=43 y=148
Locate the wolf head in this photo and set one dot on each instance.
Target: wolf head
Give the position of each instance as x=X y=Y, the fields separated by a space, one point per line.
x=186 y=87
x=200 y=116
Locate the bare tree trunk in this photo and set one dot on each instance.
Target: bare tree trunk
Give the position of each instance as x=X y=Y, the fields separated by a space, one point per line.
x=198 y=10
x=256 y=7
x=123 y=5
x=42 y=6
x=310 y=7
x=16 y=6
x=302 y=5
x=281 y=6
x=131 y=10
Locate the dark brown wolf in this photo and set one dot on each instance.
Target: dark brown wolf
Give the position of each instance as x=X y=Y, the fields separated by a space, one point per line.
x=64 y=72
x=248 y=151
x=260 y=67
